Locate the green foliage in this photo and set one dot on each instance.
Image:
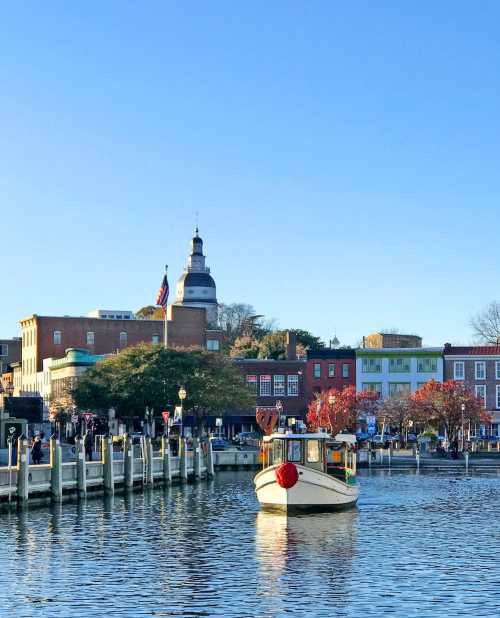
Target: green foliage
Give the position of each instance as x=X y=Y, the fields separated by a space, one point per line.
x=245 y=347
x=150 y=376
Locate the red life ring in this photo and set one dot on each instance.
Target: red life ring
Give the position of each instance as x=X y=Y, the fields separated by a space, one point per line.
x=287 y=475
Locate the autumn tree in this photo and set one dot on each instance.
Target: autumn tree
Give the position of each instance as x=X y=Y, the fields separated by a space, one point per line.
x=149 y=312
x=439 y=404
x=398 y=410
x=147 y=376
x=338 y=410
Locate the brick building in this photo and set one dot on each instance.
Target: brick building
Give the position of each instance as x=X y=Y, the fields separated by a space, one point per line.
x=330 y=368
x=10 y=352
x=391 y=340
x=479 y=368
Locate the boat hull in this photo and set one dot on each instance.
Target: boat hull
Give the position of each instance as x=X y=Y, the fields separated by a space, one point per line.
x=314 y=491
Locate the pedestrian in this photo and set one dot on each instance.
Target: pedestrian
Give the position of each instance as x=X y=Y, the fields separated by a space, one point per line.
x=87 y=444
x=36 y=451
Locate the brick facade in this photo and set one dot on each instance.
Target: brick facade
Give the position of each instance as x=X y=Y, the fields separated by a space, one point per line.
x=10 y=352
x=392 y=340
x=329 y=368
x=479 y=368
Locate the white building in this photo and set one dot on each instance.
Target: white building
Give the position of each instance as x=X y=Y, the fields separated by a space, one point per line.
x=111 y=314
x=389 y=371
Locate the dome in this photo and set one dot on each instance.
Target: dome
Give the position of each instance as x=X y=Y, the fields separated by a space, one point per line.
x=197 y=280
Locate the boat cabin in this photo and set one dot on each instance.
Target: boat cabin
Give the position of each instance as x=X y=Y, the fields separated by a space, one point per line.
x=318 y=451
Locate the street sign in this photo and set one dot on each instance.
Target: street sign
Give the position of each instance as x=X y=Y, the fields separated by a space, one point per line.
x=218 y=422
x=178 y=414
x=165 y=416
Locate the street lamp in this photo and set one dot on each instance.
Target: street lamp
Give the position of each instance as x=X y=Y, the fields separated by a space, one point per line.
x=182 y=395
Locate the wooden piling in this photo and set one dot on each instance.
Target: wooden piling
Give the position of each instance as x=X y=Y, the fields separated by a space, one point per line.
x=55 y=470
x=128 y=461
x=183 y=470
x=210 y=460
x=81 y=468
x=22 y=471
x=165 y=454
x=107 y=464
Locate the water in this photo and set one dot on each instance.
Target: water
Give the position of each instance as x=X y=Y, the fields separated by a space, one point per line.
x=423 y=545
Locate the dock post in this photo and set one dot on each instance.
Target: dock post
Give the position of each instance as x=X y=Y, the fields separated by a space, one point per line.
x=128 y=461
x=81 y=468
x=389 y=450
x=107 y=464
x=165 y=455
x=466 y=462
x=149 y=461
x=197 y=458
x=417 y=457
x=210 y=460
x=55 y=470
x=22 y=471
x=369 y=457
x=183 y=471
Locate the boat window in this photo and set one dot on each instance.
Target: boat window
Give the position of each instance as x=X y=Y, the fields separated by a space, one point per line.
x=277 y=451
x=313 y=451
x=294 y=453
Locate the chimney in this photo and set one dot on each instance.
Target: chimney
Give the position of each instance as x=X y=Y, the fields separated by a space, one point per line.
x=291 y=345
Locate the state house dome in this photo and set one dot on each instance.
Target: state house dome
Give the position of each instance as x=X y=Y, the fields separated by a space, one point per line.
x=196 y=287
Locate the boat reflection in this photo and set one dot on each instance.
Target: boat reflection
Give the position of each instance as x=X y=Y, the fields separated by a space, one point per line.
x=304 y=548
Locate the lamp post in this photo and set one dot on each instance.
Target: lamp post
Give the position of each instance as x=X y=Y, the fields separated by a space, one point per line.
x=462 y=407
x=182 y=395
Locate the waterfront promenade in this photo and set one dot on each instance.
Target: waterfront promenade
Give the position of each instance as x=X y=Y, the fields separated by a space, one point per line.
x=137 y=467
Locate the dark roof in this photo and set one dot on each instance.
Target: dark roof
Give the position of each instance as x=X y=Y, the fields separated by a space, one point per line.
x=199 y=280
x=473 y=350
x=331 y=353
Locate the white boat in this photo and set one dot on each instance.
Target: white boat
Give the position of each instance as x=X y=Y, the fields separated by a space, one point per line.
x=306 y=471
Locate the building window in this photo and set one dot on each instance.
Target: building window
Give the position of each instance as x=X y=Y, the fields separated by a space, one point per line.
x=155 y=339
x=427 y=365
x=265 y=386
x=372 y=365
x=399 y=388
x=497 y=370
x=293 y=386
x=56 y=337
x=481 y=393
x=399 y=365
x=458 y=370
x=331 y=370
x=345 y=370
x=372 y=387
x=279 y=386
x=498 y=398
x=123 y=338
x=90 y=338
x=4 y=349
x=317 y=370
x=213 y=345
x=480 y=369
x=252 y=384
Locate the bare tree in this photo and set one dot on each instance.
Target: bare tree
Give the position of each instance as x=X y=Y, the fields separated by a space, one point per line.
x=486 y=324
x=241 y=320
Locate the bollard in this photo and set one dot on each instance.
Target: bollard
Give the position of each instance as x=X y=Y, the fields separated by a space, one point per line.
x=55 y=470
x=165 y=455
x=210 y=460
x=107 y=464
x=417 y=457
x=81 y=468
x=149 y=461
x=22 y=471
x=466 y=462
x=389 y=453
x=183 y=470
x=369 y=457
x=128 y=461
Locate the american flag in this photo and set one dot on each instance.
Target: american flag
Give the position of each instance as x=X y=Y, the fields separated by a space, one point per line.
x=162 y=297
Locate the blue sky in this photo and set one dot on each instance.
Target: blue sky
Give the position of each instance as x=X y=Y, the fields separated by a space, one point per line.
x=343 y=158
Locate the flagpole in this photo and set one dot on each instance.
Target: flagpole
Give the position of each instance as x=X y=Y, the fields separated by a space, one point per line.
x=165 y=316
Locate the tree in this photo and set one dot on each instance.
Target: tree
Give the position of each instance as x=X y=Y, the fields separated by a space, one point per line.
x=241 y=320
x=150 y=312
x=398 y=410
x=486 y=324
x=273 y=345
x=147 y=376
x=337 y=410
x=439 y=404
x=245 y=347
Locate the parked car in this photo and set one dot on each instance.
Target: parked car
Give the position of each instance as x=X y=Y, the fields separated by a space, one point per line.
x=362 y=437
x=246 y=438
x=220 y=444
x=378 y=442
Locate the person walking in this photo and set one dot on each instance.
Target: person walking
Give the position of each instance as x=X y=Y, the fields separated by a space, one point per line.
x=36 y=451
x=87 y=444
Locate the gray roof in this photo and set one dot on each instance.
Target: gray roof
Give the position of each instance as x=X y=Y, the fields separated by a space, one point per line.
x=197 y=280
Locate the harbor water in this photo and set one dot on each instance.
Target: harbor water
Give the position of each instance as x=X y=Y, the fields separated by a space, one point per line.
x=417 y=545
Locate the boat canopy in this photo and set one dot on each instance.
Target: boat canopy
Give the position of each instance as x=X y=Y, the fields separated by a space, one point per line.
x=321 y=435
